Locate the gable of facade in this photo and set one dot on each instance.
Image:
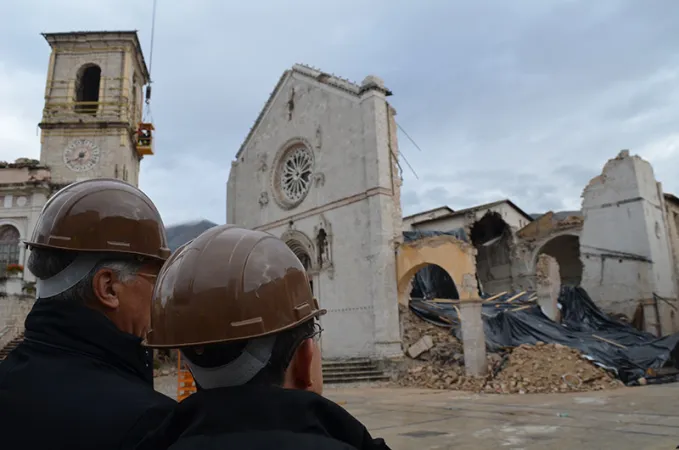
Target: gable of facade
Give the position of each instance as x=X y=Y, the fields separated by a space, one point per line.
x=313 y=127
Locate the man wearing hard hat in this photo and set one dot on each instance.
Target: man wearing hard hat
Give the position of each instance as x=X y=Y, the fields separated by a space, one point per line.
x=81 y=379
x=239 y=306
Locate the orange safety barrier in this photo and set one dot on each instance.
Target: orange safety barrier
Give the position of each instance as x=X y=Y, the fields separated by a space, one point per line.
x=186 y=385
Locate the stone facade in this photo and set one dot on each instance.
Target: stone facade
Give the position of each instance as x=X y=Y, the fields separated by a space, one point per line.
x=319 y=170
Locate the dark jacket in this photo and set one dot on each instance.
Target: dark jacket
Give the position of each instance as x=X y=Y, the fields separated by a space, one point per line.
x=259 y=418
x=76 y=382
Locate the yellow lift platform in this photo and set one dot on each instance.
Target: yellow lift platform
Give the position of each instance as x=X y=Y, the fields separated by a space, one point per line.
x=144 y=137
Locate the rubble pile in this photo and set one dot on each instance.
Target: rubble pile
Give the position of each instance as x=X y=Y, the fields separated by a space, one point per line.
x=439 y=344
x=549 y=368
x=436 y=361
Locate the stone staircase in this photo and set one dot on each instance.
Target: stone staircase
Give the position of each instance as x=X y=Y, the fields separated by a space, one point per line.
x=11 y=345
x=352 y=371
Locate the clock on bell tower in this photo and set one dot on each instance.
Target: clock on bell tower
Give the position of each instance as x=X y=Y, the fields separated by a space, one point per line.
x=91 y=123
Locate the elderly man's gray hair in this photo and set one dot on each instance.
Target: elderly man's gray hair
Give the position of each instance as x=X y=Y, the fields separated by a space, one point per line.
x=47 y=263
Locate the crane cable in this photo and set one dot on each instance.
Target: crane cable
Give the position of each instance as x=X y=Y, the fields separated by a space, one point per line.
x=147 y=113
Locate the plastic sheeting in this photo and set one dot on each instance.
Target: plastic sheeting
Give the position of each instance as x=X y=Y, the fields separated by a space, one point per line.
x=433 y=282
x=514 y=319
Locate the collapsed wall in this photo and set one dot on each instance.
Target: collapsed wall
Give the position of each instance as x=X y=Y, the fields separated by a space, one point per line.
x=624 y=245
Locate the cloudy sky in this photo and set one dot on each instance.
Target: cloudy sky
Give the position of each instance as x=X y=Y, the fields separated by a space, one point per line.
x=523 y=99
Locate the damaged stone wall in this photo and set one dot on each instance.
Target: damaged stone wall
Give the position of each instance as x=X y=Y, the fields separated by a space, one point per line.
x=556 y=235
x=548 y=280
x=492 y=238
x=454 y=256
x=672 y=225
x=624 y=244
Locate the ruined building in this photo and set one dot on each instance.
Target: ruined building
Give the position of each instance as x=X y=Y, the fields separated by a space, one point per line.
x=622 y=247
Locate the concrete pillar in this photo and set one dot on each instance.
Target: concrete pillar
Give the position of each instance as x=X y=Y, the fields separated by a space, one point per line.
x=548 y=281
x=473 y=337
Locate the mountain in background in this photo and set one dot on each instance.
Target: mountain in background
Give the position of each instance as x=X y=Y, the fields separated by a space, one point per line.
x=182 y=233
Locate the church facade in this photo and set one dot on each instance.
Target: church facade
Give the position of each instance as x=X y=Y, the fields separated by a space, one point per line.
x=319 y=170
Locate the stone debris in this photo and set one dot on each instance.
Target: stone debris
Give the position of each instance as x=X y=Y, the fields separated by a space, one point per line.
x=423 y=345
x=445 y=347
x=540 y=368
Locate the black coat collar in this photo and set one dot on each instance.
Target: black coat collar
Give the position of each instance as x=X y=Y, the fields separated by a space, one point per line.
x=74 y=328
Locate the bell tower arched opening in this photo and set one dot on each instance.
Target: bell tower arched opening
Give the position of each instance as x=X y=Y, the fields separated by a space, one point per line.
x=87 y=89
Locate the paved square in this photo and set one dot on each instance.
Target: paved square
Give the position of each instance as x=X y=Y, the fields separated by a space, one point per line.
x=627 y=418
x=643 y=418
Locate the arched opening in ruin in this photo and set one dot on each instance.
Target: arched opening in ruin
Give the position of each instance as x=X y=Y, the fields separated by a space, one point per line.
x=491 y=236
x=566 y=250
x=432 y=281
x=9 y=246
x=302 y=254
x=87 y=89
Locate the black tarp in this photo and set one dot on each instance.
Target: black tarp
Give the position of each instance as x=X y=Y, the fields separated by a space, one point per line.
x=511 y=320
x=432 y=282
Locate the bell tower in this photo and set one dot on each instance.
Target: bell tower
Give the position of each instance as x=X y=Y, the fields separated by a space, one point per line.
x=92 y=120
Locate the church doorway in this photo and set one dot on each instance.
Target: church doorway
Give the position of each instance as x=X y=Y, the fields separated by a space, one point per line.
x=303 y=255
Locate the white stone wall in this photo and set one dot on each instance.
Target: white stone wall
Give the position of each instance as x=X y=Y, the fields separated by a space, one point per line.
x=624 y=245
x=354 y=194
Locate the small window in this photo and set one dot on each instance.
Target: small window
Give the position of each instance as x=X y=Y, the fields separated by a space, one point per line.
x=9 y=246
x=115 y=172
x=124 y=173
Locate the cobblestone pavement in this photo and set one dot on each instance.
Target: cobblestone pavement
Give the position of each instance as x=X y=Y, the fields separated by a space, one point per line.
x=627 y=418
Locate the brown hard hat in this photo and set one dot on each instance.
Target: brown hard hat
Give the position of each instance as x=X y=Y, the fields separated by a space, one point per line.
x=229 y=284
x=101 y=215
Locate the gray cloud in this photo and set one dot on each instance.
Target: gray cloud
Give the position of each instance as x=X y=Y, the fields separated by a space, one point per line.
x=523 y=99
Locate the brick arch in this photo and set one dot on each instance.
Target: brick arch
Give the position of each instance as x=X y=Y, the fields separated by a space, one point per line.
x=571 y=272
x=454 y=256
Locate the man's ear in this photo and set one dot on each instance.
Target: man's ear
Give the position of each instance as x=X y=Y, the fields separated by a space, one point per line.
x=106 y=286
x=301 y=365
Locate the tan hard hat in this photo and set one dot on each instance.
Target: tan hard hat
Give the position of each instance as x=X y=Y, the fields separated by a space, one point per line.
x=101 y=215
x=229 y=284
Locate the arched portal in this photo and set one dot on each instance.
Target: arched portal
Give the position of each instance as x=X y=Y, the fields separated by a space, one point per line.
x=491 y=236
x=566 y=250
x=302 y=252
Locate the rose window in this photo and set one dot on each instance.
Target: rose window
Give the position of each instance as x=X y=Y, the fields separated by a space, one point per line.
x=294 y=175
